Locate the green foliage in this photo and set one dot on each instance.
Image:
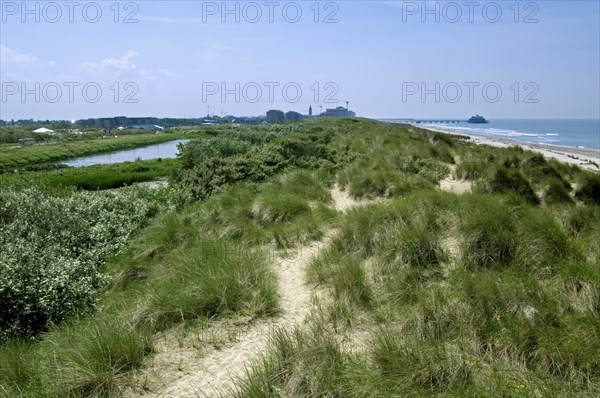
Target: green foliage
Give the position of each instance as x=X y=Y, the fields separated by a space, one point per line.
x=271 y=207
x=497 y=317
x=414 y=246
x=88 y=357
x=426 y=371
x=289 y=210
x=12 y=158
x=17 y=365
x=582 y=219
x=198 y=151
x=490 y=233
x=200 y=180
x=211 y=279
x=350 y=289
x=538 y=169
x=53 y=245
x=98 y=177
x=556 y=192
x=431 y=293
x=543 y=242
x=307 y=364
x=589 y=188
x=505 y=180
x=470 y=170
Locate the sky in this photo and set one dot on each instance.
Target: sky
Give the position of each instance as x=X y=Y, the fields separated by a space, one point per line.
x=73 y=60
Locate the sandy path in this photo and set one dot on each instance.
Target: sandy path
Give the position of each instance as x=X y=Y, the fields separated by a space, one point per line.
x=455 y=186
x=451 y=184
x=342 y=201
x=209 y=364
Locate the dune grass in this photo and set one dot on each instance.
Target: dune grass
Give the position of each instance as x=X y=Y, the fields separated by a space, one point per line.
x=98 y=177
x=290 y=209
x=212 y=279
x=426 y=293
x=479 y=294
x=513 y=313
x=206 y=261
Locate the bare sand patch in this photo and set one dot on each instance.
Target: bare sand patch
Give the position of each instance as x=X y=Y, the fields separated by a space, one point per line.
x=342 y=201
x=456 y=186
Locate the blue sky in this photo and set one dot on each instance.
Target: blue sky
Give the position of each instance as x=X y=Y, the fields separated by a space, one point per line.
x=387 y=58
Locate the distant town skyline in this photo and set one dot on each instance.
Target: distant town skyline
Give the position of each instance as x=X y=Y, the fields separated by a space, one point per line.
x=390 y=59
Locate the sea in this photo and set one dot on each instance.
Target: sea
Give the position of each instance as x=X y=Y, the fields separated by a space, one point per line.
x=578 y=133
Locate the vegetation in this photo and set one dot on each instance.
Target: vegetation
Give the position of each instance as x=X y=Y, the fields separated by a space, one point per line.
x=97 y=177
x=493 y=292
x=54 y=244
x=455 y=303
x=16 y=158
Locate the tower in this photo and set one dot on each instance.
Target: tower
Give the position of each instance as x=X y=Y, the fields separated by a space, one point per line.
x=310 y=110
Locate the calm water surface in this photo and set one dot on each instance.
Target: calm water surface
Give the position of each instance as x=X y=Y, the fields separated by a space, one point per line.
x=164 y=150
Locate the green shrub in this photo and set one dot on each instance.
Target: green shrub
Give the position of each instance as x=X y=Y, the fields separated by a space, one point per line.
x=212 y=174
x=414 y=246
x=213 y=278
x=556 y=192
x=425 y=368
x=198 y=151
x=589 y=188
x=489 y=233
x=504 y=180
x=349 y=281
x=87 y=358
x=470 y=170
x=53 y=245
x=17 y=365
x=271 y=207
x=543 y=242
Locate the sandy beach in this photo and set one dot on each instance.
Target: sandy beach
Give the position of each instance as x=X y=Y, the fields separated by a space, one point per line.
x=584 y=157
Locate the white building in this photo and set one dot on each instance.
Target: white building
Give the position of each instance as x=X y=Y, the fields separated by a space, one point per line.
x=44 y=130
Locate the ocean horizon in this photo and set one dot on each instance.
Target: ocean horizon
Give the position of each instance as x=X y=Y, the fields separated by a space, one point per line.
x=577 y=133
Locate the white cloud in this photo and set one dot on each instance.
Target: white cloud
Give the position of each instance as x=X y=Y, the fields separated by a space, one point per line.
x=119 y=64
x=12 y=57
x=124 y=67
x=123 y=63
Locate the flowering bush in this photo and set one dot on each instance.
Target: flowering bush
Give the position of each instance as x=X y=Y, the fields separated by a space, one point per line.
x=53 y=244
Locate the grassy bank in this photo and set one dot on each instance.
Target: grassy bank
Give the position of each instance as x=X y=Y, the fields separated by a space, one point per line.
x=98 y=177
x=425 y=292
x=23 y=157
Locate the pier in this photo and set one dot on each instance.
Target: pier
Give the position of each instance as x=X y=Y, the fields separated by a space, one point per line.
x=440 y=121
x=431 y=121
